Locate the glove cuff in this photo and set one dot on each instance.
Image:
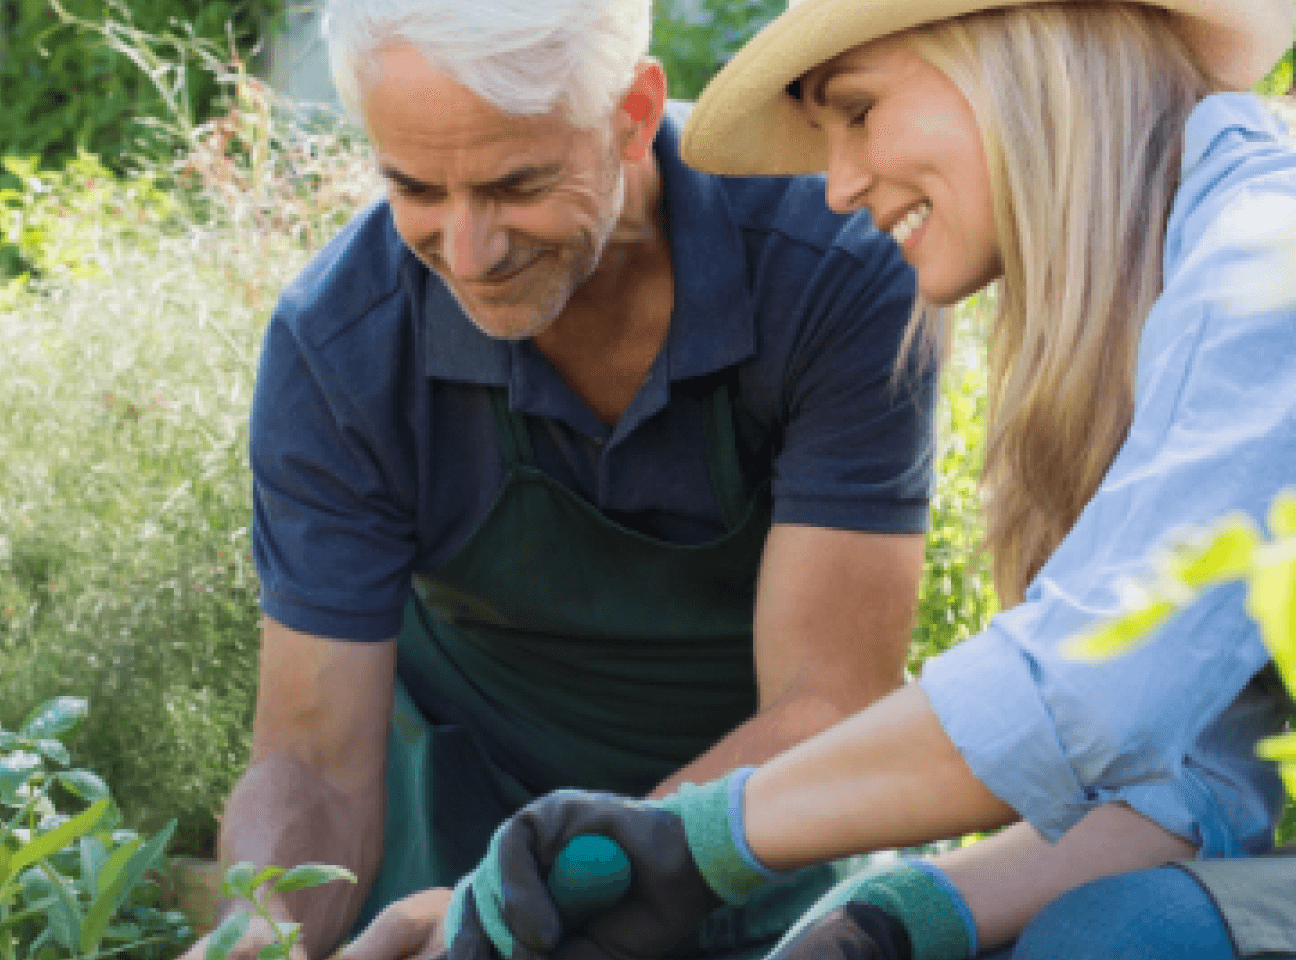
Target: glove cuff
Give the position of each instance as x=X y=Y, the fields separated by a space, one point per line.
x=713 y=826
x=922 y=898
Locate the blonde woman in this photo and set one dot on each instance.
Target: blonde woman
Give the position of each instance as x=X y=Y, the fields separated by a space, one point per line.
x=1095 y=160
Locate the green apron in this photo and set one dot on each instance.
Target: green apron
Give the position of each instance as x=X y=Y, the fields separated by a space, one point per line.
x=558 y=648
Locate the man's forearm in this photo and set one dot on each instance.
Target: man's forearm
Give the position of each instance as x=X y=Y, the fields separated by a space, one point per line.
x=779 y=727
x=281 y=813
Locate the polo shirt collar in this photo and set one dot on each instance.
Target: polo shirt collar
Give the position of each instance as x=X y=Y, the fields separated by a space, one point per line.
x=712 y=325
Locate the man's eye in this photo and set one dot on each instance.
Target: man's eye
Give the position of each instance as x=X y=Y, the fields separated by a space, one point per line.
x=523 y=193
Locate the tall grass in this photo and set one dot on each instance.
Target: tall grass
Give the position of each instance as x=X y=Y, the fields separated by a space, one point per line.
x=129 y=352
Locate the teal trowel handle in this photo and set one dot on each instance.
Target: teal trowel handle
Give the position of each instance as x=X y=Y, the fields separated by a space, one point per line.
x=591 y=874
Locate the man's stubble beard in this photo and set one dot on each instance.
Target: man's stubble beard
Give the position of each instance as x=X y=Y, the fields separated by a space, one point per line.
x=587 y=257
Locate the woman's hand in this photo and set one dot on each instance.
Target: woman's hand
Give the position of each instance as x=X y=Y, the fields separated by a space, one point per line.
x=683 y=858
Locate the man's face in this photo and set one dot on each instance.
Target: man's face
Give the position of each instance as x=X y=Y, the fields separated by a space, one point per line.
x=511 y=212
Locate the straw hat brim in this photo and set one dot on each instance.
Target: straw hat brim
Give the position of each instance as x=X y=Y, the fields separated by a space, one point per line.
x=745 y=122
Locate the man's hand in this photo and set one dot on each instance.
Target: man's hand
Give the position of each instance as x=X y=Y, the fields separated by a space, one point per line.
x=313 y=792
x=409 y=929
x=259 y=934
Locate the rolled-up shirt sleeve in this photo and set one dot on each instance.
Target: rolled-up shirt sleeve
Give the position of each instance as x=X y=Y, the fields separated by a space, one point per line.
x=1170 y=726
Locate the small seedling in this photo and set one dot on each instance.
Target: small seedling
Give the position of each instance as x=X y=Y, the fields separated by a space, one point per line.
x=244 y=880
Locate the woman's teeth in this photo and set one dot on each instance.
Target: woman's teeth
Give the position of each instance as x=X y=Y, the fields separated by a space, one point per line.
x=903 y=230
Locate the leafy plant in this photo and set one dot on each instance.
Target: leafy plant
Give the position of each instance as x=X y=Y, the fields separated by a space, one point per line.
x=957 y=597
x=244 y=880
x=129 y=340
x=694 y=38
x=52 y=222
x=72 y=885
x=1235 y=550
x=67 y=90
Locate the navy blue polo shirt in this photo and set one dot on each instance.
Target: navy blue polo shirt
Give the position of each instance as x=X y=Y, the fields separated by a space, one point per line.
x=374 y=449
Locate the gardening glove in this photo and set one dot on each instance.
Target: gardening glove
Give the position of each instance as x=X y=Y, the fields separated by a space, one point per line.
x=910 y=911
x=686 y=854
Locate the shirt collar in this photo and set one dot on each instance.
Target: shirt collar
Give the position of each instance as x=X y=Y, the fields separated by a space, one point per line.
x=1222 y=113
x=713 y=322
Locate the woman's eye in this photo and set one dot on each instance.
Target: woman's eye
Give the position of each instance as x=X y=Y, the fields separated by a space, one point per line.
x=858 y=115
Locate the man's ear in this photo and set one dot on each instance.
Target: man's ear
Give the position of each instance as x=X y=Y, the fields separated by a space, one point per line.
x=640 y=111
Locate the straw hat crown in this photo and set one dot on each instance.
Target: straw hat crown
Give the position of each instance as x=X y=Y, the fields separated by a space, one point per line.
x=746 y=123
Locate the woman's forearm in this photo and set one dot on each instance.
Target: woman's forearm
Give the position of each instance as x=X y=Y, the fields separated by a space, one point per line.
x=886 y=777
x=1007 y=878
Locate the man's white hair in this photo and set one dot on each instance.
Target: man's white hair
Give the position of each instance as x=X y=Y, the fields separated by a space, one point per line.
x=523 y=56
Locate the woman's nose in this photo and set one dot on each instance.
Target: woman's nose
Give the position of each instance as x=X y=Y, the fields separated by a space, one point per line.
x=849 y=176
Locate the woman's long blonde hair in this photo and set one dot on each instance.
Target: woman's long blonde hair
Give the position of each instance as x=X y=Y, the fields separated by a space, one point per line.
x=1082 y=111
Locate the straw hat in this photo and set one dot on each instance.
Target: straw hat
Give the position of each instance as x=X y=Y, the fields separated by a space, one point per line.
x=745 y=122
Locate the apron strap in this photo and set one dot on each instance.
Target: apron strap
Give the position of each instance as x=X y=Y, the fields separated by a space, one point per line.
x=722 y=458
x=511 y=429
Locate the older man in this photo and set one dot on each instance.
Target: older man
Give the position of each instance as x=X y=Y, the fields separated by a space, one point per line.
x=573 y=467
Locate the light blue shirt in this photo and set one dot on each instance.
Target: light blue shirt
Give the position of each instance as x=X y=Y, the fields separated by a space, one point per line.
x=1170 y=727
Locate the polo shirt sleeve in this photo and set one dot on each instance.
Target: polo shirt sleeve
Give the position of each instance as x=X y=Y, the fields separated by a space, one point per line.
x=1170 y=726
x=333 y=532
x=857 y=451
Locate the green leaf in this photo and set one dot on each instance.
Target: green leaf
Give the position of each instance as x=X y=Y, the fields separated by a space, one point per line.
x=55 y=718
x=226 y=937
x=266 y=875
x=1271 y=601
x=1281 y=747
x=59 y=837
x=94 y=854
x=1120 y=634
x=16 y=770
x=113 y=885
x=1282 y=515
x=87 y=785
x=239 y=880
x=271 y=951
x=64 y=913
x=288 y=933
x=311 y=875
x=54 y=750
x=1226 y=557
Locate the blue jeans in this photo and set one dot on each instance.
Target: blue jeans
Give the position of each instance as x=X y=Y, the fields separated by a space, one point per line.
x=1161 y=914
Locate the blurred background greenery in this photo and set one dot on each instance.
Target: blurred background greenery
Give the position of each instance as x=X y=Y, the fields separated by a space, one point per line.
x=156 y=196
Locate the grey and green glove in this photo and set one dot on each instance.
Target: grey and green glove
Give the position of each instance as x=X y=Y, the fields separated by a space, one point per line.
x=686 y=853
x=909 y=911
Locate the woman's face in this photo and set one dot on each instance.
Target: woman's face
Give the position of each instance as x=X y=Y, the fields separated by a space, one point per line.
x=902 y=142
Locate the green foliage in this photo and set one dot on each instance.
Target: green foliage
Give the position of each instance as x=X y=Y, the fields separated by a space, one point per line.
x=68 y=86
x=695 y=38
x=50 y=222
x=1280 y=79
x=244 y=880
x=1234 y=550
x=125 y=567
x=957 y=597
x=72 y=885
x=129 y=340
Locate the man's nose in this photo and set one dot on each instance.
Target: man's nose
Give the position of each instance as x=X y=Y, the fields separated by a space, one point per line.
x=473 y=241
